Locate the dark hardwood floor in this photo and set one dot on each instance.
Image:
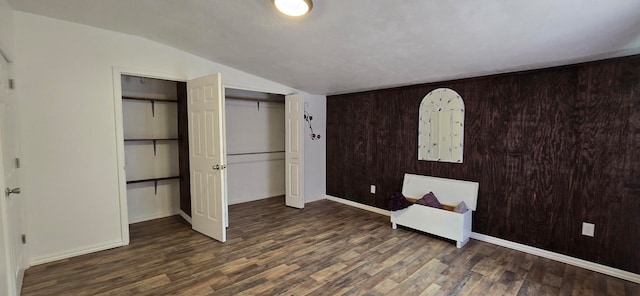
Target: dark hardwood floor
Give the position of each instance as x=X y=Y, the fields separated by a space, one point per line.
x=325 y=249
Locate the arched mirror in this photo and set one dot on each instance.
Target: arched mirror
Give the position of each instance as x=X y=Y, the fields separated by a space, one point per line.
x=441 y=126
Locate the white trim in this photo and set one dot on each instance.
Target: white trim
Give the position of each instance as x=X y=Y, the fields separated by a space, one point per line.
x=614 y=272
x=319 y=197
x=625 y=275
x=184 y=216
x=359 y=205
x=117 y=72
x=22 y=267
x=20 y=280
x=153 y=217
x=238 y=87
x=76 y=252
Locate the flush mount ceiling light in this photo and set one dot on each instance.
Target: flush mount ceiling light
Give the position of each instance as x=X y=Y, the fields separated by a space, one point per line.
x=293 y=7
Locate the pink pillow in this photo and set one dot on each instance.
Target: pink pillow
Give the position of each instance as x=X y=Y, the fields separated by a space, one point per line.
x=461 y=207
x=429 y=200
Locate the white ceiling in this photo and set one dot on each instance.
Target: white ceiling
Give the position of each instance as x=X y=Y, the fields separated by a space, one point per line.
x=346 y=46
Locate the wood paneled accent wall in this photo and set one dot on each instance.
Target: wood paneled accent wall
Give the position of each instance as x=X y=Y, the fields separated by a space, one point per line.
x=551 y=149
x=183 y=149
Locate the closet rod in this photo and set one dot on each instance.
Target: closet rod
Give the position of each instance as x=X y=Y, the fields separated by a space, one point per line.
x=255 y=99
x=249 y=153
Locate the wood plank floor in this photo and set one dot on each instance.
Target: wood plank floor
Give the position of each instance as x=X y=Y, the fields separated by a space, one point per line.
x=325 y=249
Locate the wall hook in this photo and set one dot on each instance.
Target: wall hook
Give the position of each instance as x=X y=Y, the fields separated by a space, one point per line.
x=308 y=117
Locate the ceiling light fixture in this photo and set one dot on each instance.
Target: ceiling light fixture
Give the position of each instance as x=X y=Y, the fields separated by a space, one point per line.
x=293 y=7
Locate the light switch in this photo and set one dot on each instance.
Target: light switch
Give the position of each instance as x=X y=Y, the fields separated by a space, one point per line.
x=373 y=188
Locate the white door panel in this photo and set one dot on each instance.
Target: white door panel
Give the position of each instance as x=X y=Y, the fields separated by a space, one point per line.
x=11 y=220
x=206 y=156
x=294 y=152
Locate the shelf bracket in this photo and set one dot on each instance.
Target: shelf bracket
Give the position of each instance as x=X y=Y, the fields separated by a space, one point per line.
x=153 y=108
x=154 y=147
x=155 y=182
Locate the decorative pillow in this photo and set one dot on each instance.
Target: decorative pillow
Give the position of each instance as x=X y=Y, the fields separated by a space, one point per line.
x=429 y=200
x=461 y=207
x=398 y=202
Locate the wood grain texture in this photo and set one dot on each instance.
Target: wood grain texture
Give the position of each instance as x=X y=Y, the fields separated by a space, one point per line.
x=325 y=249
x=551 y=149
x=183 y=149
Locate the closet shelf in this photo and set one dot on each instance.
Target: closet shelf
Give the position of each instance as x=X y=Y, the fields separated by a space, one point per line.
x=153 y=102
x=152 y=179
x=148 y=99
x=155 y=150
x=252 y=153
x=151 y=139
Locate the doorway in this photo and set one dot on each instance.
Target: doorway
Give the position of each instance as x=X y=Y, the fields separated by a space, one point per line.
x=255 y=140
x=201 y=89
x=151 y=147
x=160 y=158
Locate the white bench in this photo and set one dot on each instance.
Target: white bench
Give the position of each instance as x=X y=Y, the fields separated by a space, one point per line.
x=444 y=223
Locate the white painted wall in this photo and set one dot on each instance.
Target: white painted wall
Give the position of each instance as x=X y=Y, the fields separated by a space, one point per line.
x=70 y=173
x=145 y=201
x=255 y=177
x=250 y=130
x=315 y=151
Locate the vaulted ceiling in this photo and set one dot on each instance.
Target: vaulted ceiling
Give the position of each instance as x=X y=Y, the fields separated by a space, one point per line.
x=346 y=46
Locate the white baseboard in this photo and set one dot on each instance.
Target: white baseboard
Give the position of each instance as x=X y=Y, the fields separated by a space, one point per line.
x=244 y=199
x=152 y=217
x=317 y=198
x=625 y=275
x=358 y=205
x=74 y=253
x=184 y=216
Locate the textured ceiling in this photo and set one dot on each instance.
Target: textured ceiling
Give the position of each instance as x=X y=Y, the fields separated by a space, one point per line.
x=346 y=46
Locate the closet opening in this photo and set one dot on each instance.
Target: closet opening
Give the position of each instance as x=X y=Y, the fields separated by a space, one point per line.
x=255 y=145
x=156 y=147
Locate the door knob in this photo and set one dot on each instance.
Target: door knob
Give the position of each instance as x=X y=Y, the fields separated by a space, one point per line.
x=8 y=191
x=216 y=167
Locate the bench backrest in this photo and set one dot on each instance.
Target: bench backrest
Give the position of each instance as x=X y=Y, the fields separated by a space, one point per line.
x=448 y=191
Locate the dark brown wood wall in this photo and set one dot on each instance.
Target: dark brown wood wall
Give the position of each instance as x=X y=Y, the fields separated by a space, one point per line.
x=551 y=149
x=183 y=149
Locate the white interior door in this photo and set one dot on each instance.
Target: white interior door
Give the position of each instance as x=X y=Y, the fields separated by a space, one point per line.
x=11 y=224
x=294 y=151
x=207 y=158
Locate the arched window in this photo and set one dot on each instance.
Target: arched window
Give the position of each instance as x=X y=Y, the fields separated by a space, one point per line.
x=441 y=126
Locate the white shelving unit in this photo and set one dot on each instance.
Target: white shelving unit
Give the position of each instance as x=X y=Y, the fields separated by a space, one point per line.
x=150 y=122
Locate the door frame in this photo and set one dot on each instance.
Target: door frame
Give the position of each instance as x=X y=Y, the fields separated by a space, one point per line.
x=224 y=134
x=13 y=280
x=117 y=72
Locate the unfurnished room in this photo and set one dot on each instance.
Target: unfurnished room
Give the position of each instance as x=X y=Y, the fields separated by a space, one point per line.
x=300 y=147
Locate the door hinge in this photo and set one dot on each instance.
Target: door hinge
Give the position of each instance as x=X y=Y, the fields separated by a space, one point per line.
x=24 y=239
x=12 y=84
x=17 y=163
